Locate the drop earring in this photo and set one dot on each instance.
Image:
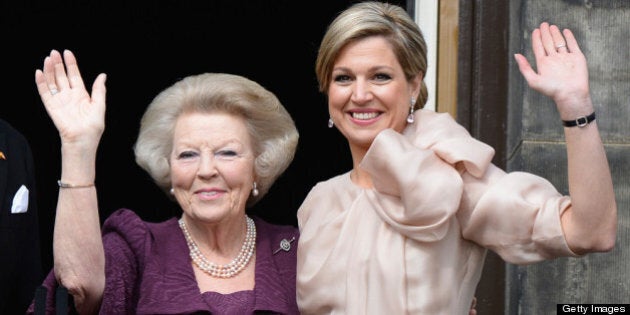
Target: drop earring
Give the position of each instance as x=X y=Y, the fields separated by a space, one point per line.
x=331 y=123
x=410 y=118
x=254 y=190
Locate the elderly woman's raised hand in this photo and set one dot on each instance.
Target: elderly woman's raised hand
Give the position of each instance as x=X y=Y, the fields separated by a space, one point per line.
x=561 y=69
x=78 y=116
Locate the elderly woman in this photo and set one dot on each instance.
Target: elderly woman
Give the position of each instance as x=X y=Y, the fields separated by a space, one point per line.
x=215 y=143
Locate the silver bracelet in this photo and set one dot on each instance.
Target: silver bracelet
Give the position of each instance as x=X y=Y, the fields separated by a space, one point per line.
x=67 y=185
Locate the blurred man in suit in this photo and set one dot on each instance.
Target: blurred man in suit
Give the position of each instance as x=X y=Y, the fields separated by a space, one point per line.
x=20 y=256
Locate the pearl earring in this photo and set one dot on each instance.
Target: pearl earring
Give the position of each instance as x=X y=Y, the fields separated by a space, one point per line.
x=172 y=191
x=254 y=190
x=331 y=123
x=410 y=118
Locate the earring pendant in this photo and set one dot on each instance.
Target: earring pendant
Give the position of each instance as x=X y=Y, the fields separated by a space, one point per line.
x=255 y=190
x=410 y=118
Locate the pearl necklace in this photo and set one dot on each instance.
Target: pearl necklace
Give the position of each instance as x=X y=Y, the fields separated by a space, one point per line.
x=235 y=266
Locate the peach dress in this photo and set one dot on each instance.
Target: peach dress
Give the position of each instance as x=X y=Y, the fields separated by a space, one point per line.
x=416 y=242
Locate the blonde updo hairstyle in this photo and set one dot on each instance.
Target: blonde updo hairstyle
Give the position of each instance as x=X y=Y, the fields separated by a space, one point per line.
x=372 y=18
x=270 y=126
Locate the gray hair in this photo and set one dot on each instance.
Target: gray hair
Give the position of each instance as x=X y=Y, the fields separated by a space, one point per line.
x=372 y=18
x=270 y=126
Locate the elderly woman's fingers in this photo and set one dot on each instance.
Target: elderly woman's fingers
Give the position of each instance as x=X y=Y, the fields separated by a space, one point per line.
x=61 y=80
x=49 y=76
x=73 y=73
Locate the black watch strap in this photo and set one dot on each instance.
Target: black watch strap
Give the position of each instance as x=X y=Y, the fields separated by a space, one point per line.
x=580 y=121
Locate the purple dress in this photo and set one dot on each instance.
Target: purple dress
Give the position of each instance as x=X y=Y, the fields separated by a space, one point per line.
x=148 y=271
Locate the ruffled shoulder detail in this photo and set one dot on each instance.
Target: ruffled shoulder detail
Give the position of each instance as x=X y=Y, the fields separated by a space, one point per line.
x=415 y=192
x=449 y=140
x=417 y=174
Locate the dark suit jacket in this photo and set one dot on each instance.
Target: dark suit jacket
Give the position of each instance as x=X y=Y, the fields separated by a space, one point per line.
x=20 y=256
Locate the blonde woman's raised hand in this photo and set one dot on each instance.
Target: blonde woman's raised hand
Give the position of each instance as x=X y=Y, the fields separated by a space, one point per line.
x=78 y=115
x=561 y=70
